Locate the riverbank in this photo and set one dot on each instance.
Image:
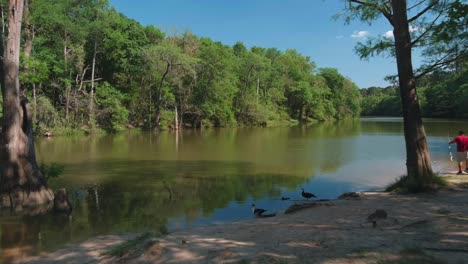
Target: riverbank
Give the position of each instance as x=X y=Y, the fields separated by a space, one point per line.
x=421 y=228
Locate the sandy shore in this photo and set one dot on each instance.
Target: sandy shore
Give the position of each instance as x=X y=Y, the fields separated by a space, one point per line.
x=422 y=228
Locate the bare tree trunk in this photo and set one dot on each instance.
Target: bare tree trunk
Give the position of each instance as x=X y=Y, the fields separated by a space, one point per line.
x=67 y=88
x=181 y=117
x=91 y=94
x=67 y=102
x=21 y=182
x=258 y=86
x=150 y=114
x=159 y=96
x=176 y=121
x=180 y=113
x=418 y=161
x=34 y=104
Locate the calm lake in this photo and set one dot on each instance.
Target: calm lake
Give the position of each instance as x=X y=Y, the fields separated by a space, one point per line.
x=137 y=181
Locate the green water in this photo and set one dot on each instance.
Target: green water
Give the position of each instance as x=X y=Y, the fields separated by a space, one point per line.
x=136 y=181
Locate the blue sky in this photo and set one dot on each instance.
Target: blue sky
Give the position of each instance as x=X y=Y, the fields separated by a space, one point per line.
x=304 y=25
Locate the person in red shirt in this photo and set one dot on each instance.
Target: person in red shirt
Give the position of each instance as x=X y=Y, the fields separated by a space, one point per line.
x=462 y=150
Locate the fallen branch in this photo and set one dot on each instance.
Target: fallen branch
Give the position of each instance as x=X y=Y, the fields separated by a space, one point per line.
x=306 y=201
x=420 y=222
x=296 y=207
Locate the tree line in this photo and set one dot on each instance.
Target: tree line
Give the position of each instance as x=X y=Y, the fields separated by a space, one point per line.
x=442 y=94
x=84 y=65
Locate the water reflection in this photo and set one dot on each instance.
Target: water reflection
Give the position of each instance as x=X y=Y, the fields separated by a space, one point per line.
x=137 y=181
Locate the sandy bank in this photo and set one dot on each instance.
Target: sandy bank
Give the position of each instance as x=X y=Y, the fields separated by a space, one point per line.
x=422 y=228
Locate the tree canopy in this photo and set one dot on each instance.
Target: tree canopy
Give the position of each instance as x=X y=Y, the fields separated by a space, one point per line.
x=85 y=53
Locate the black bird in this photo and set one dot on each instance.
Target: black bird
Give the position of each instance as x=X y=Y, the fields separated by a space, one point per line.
x=284 y=198
x=257 y=211
x=307 y=195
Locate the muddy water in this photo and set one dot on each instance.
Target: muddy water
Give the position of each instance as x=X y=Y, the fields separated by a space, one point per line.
x=136 y=181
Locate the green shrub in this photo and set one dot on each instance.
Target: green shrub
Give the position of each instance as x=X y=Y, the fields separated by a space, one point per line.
x=52 y=170
x=47 y=117
x=112 y=116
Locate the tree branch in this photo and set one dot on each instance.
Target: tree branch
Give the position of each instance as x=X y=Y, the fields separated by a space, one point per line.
x=431 y=5
x=408 y=9
x=387 y=7
x=384 y=12
x=87 y=81
x=440 y=63
x=427 y=30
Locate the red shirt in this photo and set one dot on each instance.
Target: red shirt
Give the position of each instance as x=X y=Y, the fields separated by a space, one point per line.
x=462 y=143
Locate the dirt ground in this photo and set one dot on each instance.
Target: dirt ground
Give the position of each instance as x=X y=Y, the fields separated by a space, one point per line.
x=422 y=228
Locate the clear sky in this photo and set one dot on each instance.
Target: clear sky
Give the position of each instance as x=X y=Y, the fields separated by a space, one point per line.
x=304 y=25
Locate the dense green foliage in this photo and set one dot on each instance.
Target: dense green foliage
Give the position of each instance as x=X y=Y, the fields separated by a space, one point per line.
x=143 y=77
x=377 y=101
x=441 y=94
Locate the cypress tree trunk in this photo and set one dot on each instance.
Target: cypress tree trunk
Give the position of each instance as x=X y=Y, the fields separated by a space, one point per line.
x=418 y=161
x=21 y=182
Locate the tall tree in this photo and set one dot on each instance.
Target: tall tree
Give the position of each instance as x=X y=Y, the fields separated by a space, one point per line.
x=168 y=62
x=437 y=27
x=21 y=182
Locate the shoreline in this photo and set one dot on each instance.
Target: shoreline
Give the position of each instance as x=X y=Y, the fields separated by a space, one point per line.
x=420 y=228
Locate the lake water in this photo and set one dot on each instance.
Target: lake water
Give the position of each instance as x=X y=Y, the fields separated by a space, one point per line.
x=137 y=181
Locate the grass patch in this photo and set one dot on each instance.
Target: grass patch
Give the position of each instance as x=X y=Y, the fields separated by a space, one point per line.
x=141 y=242
x=136 y=243
x=412 y=260
x=406 y=184
x=413 y=256
x=412 y=251
x=362 y=251
x=443 y=211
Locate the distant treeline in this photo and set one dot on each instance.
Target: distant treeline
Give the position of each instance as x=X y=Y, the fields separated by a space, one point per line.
x=86 y=66
x=441 y=94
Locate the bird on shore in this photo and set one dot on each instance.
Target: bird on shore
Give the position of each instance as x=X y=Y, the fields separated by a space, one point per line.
x=257 y=211
x=379 y=214
x=307 y=195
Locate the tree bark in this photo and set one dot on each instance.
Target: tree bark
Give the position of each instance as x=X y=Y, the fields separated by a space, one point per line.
x=418 y=161
x=28 y=35
x=21 y=182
